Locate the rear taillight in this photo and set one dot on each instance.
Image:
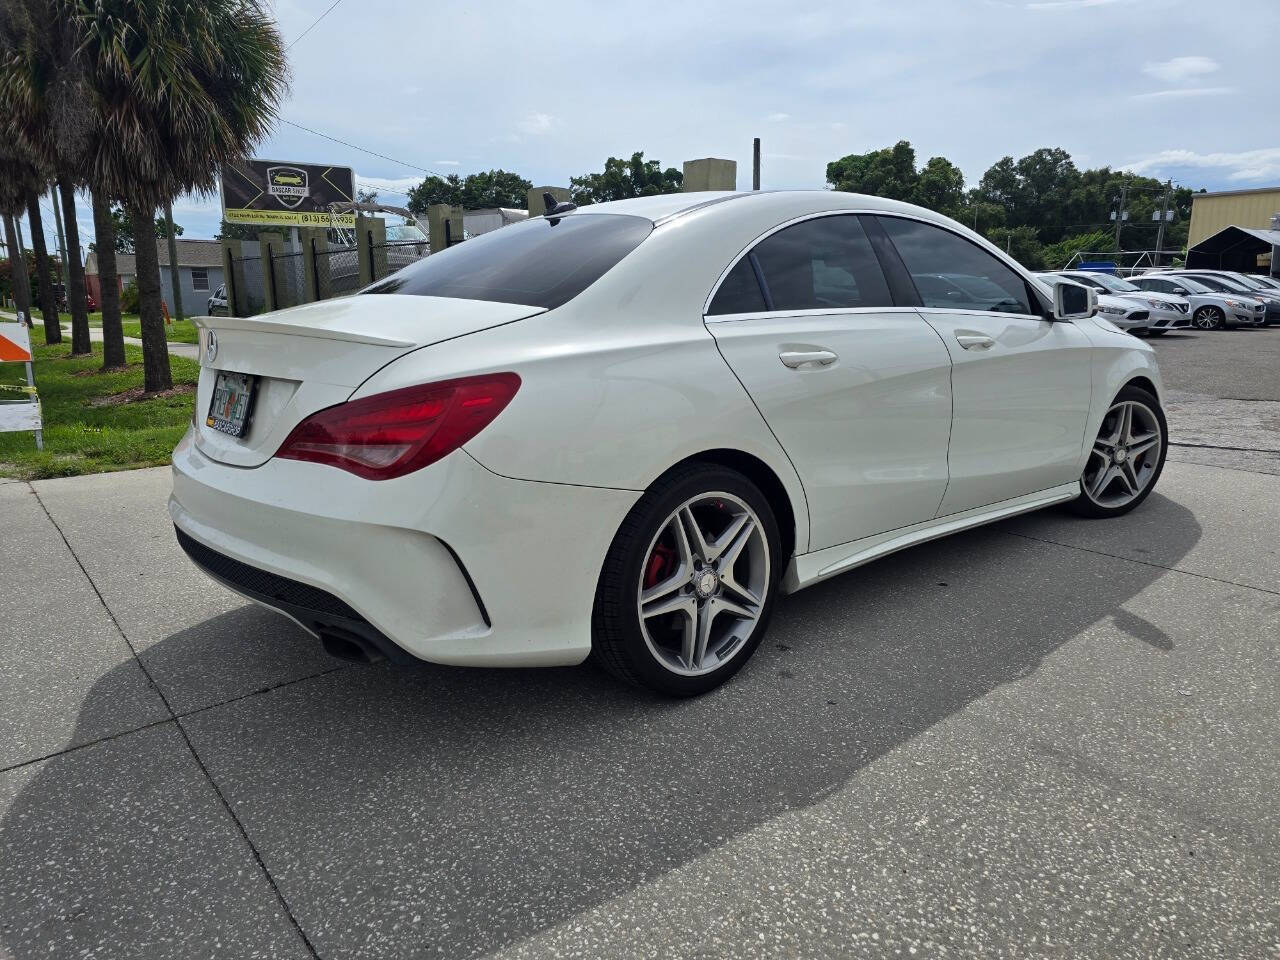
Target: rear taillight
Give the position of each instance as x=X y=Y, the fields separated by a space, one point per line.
x=391 y=434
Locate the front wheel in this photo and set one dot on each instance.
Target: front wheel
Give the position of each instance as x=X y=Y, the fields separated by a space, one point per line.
x=1208 y=318
x=1127 y=456
x=688 y=585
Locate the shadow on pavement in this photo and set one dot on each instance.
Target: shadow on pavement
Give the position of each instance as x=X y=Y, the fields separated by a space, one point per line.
x=444 y=812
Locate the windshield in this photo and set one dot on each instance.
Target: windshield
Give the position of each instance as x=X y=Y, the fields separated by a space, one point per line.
x=1269 y=282
x=1222 y=283
x=404 y=233
x=541 y=263
x=1114 y=284
x=1248 y=283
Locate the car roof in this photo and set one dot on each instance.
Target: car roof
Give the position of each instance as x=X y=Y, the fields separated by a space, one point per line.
x=665 y=206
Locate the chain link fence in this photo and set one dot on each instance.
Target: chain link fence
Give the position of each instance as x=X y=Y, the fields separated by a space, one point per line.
x=247 y=285
x=337 y=272
x=387 y=258
x=288 y=279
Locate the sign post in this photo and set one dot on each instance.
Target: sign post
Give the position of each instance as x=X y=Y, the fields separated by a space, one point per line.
x=21 y=412
x=272 y=193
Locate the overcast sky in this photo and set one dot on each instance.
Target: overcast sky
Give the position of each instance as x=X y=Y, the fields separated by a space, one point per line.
x=1171 y=89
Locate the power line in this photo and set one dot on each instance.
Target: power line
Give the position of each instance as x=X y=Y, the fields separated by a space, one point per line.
x=372 y=153
x=313 y=25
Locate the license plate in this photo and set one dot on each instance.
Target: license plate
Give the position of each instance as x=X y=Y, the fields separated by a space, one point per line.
x=232 y=403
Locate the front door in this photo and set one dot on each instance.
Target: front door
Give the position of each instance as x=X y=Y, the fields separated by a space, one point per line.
x=1021 y=383
x=858 y=392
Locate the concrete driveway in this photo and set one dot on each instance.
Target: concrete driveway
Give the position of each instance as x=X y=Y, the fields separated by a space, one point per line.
x=1052 y=737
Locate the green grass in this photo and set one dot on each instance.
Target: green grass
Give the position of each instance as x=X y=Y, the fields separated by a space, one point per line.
x=179 y=331
x=81 y=438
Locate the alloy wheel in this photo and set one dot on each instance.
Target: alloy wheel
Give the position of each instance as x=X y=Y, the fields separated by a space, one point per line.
x=1208 y=318
x=1125 y=457
x=704 y=583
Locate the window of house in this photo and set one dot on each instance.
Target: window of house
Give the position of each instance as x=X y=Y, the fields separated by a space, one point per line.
x=199 y=278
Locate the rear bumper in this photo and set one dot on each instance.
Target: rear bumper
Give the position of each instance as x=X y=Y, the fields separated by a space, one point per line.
x=451 y=564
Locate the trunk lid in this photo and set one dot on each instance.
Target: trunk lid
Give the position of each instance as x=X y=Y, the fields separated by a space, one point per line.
x=306 y=358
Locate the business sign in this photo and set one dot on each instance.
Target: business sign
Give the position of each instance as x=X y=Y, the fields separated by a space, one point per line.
x=19 y=406
x=271 y=193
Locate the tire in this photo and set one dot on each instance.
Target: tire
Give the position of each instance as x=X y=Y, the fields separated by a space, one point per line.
x=1208 y=318
x=647 y=558
x=1101 y=497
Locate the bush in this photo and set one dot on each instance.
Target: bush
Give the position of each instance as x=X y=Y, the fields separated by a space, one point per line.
x=129 y=298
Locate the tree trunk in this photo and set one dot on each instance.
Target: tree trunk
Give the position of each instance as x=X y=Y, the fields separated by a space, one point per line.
x=17 y=270
x=75 y=294
x=48 y=299
x=155 y=349
x=175 y=282
x=108 y=283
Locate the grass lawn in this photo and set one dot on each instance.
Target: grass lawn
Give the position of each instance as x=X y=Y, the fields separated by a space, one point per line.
x=84 y=434
x=180 y=331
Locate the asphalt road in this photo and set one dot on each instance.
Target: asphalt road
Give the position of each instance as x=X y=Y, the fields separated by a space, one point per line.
x=1051 y=737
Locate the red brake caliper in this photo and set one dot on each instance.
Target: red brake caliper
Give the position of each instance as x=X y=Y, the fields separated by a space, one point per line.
x=660 y=565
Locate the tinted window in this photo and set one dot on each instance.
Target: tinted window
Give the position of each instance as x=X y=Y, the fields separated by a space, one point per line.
x=822 y=263
x=740 y=291
x=543 y=263
x=974 y=280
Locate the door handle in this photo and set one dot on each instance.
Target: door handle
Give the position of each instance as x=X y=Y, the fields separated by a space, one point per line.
x=974 y=341
x=798 y=358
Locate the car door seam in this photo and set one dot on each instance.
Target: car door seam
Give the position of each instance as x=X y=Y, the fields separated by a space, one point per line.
x=778 y=440
x=951 y=424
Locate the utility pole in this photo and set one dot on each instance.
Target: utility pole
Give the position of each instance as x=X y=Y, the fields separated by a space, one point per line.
x=1124 y=193
x=755 y=164
x=173 y=259
x=62 y=244
x=1164 y=216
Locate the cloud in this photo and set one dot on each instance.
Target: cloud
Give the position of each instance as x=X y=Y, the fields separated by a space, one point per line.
x=447 y=163
x=1181 y=69
x=398 y=186
x=1263 y=164
x=536 y=123
x=1070 y=4
x=779 y=117
x=1177 y=92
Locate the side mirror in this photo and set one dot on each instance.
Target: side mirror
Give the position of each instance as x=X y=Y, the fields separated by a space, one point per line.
x=1180 y=291
x=1071 y=301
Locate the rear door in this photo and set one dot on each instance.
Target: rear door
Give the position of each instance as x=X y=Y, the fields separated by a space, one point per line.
x=1021 y=383
x=857 y=391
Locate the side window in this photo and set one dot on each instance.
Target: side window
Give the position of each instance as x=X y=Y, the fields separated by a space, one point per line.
x=740 y=292
x=823 y=263
x=951 y=273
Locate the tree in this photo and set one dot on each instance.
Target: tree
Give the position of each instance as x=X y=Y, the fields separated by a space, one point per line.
x=42 y=264
x=1021 y=243
x=184 y=86
x=889 y=173
x=435 y=190
x=622 y=179
x=479 y=191
x=47 y=110
x=496 y=188
x=940 y=186
x=122 y=230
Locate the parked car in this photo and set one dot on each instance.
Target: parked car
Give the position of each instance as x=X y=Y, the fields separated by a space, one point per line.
x=218 y=302
x=1252 y=286
x=1233 y=288
x=1129 y=315
x=1168 y=312
x=622 y=431
x=1210 y=309
x=406 y=244
x=1271 y=283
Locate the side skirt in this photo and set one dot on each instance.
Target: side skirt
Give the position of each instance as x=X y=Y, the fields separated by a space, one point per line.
x=810 y=568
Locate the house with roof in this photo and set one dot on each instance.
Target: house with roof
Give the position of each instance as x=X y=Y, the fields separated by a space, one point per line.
x=199 y=273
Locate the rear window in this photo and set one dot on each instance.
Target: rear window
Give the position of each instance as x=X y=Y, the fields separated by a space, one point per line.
x=542 y=263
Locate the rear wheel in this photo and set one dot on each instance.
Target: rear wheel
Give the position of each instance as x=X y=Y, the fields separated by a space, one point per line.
x=1127 y=456
x=1208 y=318
x=688 y=585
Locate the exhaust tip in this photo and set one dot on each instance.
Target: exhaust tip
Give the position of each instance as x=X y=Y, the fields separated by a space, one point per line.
x=346 y=646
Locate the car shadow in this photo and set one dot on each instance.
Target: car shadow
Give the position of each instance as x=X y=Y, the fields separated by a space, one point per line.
x=437 y=811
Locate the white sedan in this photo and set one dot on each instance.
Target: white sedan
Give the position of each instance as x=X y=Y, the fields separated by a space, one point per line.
x=621 y=431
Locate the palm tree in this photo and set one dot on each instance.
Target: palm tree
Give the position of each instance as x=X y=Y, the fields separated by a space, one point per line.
x=181 y=87
x=17 y=175
x=46 y=109
x=44 y=279
x=108 y=283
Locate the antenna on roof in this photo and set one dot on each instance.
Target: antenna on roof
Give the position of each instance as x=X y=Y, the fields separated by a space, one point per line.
x=555 y=209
